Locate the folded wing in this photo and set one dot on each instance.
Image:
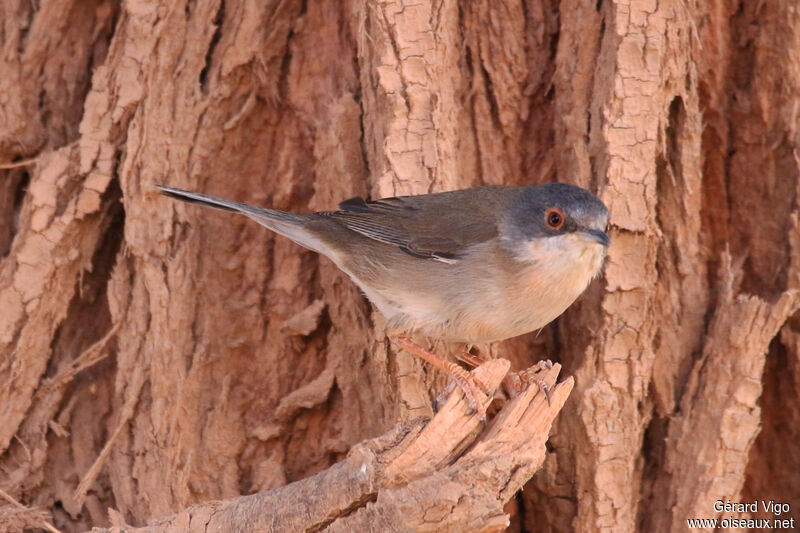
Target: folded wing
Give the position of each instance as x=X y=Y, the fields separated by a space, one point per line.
x=435 y=226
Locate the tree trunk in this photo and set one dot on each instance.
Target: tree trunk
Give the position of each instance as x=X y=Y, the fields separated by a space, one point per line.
x=155 y=355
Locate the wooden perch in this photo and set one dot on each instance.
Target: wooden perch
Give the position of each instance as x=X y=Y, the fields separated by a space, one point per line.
x=448 y=474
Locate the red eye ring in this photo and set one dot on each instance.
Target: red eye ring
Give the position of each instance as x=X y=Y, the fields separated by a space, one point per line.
x=554 y=218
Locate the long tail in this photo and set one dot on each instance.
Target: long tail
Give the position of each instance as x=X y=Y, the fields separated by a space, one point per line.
x=291 y=225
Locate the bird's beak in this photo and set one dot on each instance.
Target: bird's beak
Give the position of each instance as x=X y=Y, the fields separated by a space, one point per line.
x=597 y=236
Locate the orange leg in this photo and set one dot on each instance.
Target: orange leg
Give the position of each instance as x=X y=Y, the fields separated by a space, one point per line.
x=514 y=382
x=472 y=387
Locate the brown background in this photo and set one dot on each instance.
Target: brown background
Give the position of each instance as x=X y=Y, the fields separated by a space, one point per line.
x=154 y=355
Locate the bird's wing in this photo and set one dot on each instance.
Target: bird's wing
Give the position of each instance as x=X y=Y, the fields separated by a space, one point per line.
x=433 y=226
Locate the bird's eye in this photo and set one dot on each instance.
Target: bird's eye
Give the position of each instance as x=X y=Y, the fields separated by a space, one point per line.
x=554 y=218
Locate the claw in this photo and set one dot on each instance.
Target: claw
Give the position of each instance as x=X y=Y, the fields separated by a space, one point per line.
x=516 y=382
x=474 y=391
x=546 y=390
x=531 y=377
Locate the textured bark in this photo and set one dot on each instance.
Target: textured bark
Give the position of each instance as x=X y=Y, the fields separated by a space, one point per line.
x=155 y=356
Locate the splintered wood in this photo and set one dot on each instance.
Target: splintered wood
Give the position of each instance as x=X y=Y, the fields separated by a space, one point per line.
x=451 y=473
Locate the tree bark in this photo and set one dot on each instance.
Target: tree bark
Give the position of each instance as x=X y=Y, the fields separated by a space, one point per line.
x=445 y=475
x=156 y=356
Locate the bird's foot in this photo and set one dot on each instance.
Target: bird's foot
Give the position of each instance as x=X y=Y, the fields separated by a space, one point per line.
x=515 y=383
x=474 y=390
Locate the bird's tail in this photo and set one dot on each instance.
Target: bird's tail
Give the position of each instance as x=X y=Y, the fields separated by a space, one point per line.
x=291 y=225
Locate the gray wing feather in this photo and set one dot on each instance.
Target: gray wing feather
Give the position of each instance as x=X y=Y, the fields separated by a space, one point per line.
x=435 y=226
x=440 y=226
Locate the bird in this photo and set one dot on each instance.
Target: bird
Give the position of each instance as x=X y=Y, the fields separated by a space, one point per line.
x=475 y=265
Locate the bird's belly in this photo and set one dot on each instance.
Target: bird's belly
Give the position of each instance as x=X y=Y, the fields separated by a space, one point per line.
x=481 y=316
x=494 y=308
x=480 y=303
x=500 y=317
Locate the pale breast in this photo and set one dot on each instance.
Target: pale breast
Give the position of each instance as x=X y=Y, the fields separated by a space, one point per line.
x=490 y=302
x=486 y=296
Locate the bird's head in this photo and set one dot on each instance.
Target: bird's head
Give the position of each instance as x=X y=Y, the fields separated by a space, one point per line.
x=557 y=226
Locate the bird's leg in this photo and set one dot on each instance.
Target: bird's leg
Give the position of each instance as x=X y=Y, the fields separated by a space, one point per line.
x=470 y=359
x=515 y=382
x=474 y=390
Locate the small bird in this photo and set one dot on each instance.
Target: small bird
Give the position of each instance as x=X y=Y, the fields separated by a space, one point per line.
x=474 y=265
